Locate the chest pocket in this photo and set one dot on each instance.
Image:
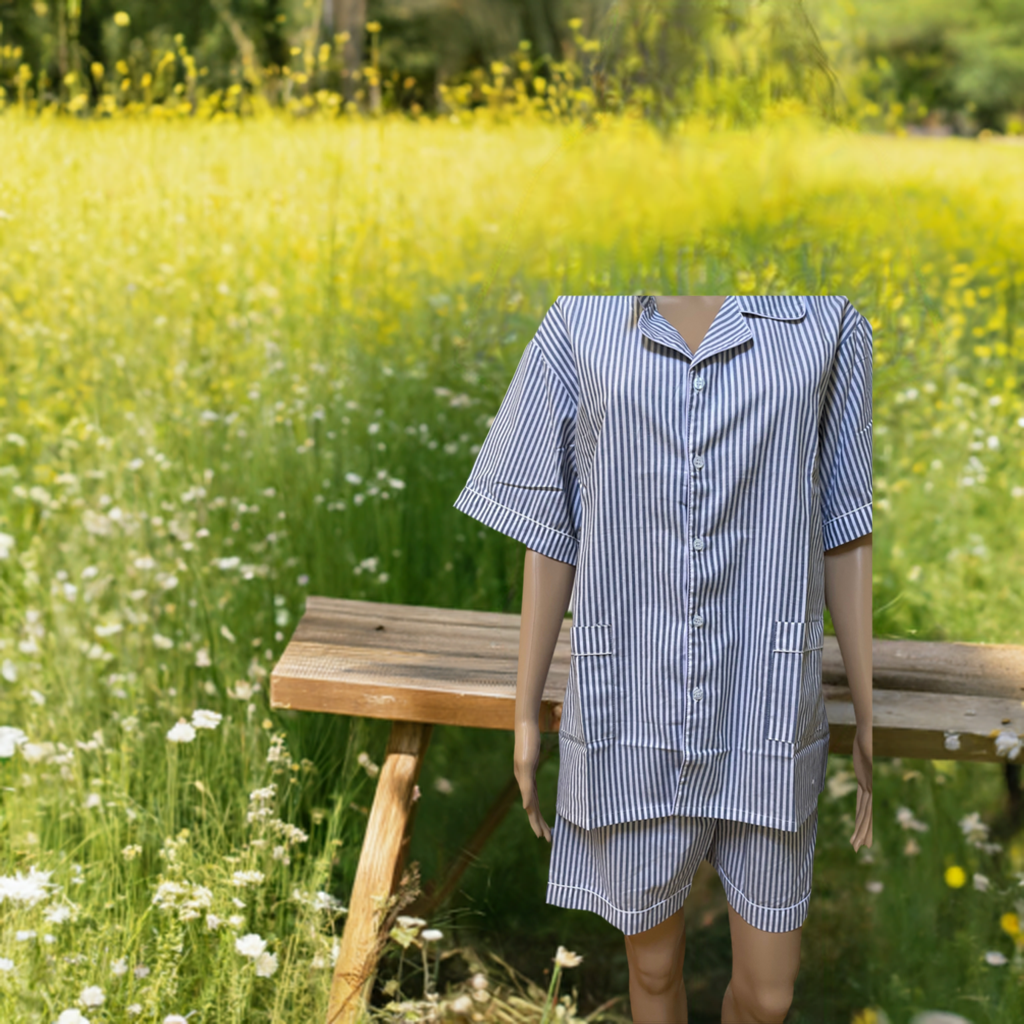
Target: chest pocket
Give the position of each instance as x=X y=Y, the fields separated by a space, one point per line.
x=593 y=663
x=794 y=662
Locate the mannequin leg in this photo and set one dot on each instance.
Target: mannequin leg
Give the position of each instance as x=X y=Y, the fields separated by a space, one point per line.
x=656 y=991
x=764 y=969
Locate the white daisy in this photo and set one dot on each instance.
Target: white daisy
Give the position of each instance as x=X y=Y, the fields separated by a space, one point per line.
x=182 y=732
x=251 y=945
x=204 y=719
x=266 y=965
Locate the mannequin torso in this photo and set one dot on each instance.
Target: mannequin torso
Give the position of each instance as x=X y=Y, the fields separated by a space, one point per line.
x=764 y=964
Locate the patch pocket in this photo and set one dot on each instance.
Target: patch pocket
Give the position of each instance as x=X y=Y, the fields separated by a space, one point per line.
x=590 y=639
x=593 y=668
x=791 y=639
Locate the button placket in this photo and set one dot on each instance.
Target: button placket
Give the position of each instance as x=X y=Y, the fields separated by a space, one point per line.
x=697 y=692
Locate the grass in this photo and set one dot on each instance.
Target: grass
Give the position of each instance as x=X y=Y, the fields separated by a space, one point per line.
x=243 y=363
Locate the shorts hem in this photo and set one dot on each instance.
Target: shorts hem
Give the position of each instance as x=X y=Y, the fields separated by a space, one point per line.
x=767 y=919
x=629 y=922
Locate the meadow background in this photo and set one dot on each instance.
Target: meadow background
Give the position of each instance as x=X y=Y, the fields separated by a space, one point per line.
x=248 y=353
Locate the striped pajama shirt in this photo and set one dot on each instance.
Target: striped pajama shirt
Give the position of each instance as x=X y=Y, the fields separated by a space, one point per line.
x=696 y=495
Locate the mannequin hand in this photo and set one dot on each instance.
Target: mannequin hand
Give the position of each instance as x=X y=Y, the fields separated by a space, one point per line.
x=862 y=769
x=527 y=753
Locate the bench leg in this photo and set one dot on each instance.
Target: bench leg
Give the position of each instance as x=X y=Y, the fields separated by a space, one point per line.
x=380 y=862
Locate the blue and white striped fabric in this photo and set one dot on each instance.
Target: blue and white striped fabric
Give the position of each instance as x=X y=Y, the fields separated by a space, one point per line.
x=635 y=874
x=696 y=496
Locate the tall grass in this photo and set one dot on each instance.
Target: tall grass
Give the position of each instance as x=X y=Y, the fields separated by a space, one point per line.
x=246 y=362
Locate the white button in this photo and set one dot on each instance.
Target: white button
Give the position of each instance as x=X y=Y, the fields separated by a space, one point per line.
x=698 y=382
x=698 y=619
x=698 y=461
x=697 y=693
x=699 y=543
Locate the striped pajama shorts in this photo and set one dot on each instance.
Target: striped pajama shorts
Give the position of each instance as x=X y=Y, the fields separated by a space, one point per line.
x=637 y=873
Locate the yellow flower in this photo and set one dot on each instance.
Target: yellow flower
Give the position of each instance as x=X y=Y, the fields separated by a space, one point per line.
x=122 y=19
x=869 y=1015
x=97 y=70
x=955 y=876
x=373 y=26
x=1010 y=923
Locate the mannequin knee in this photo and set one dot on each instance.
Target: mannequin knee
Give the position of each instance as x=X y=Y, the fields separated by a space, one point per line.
x=765 y=1003
x=657 y=969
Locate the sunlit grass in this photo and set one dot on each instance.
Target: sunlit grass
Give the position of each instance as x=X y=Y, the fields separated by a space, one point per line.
x=242 y=363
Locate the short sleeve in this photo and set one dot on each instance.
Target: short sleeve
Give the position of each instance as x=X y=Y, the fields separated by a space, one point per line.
x=845 y=437
x=524 y=481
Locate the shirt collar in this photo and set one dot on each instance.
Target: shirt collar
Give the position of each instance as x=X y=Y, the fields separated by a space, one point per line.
x=730 y=328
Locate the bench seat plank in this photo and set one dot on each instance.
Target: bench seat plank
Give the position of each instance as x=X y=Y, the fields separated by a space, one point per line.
x=457 y=667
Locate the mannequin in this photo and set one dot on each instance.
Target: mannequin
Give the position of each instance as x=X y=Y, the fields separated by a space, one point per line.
x=765 y=964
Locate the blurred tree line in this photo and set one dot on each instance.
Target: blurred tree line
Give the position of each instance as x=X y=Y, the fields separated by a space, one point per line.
x=952 y=65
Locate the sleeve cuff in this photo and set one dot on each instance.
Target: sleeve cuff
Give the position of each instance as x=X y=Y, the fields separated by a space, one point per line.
x=847 y=527
x=537 y=536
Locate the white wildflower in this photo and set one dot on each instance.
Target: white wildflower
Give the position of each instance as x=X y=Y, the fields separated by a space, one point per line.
x=11 y=738
x=175 y=1018
x=182 y=732
x=227 y=564
x=9 y=671
x=874 y=885
x=58 y=914
x=108 y=628
x=463 y=1005
x=243 y=878
x=243 y=690
x=266 y=965
x=251 y=945
x=119 y=967
x=972 y=826
x=133 y=1009
x=981 y=882
x=905 y=816
x=92 y=996
x=203 y=658
x=227 y=634
x=564 y=958
x=35 y=752
x=161 y=642
x=141 y=971
x=6 y=545
x=24 y=936
x=995 y=958
x=1008 y=743
x=277 y=751
x=6 y=964
x=236 y=920
x=213 y=922
x=145 y=562
x=29 y=889
x=72 y=1017
x=405 y=921
x=204 y=719
x=431 y=935
x=131 y=852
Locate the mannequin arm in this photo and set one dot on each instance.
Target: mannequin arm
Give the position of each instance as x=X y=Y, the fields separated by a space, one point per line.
x=547 y=588
x=848 y=597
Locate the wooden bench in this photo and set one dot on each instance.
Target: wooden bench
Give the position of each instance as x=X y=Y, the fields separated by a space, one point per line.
x=418 y=666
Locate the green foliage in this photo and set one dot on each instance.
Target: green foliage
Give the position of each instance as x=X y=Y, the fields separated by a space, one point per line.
x=947 y=67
